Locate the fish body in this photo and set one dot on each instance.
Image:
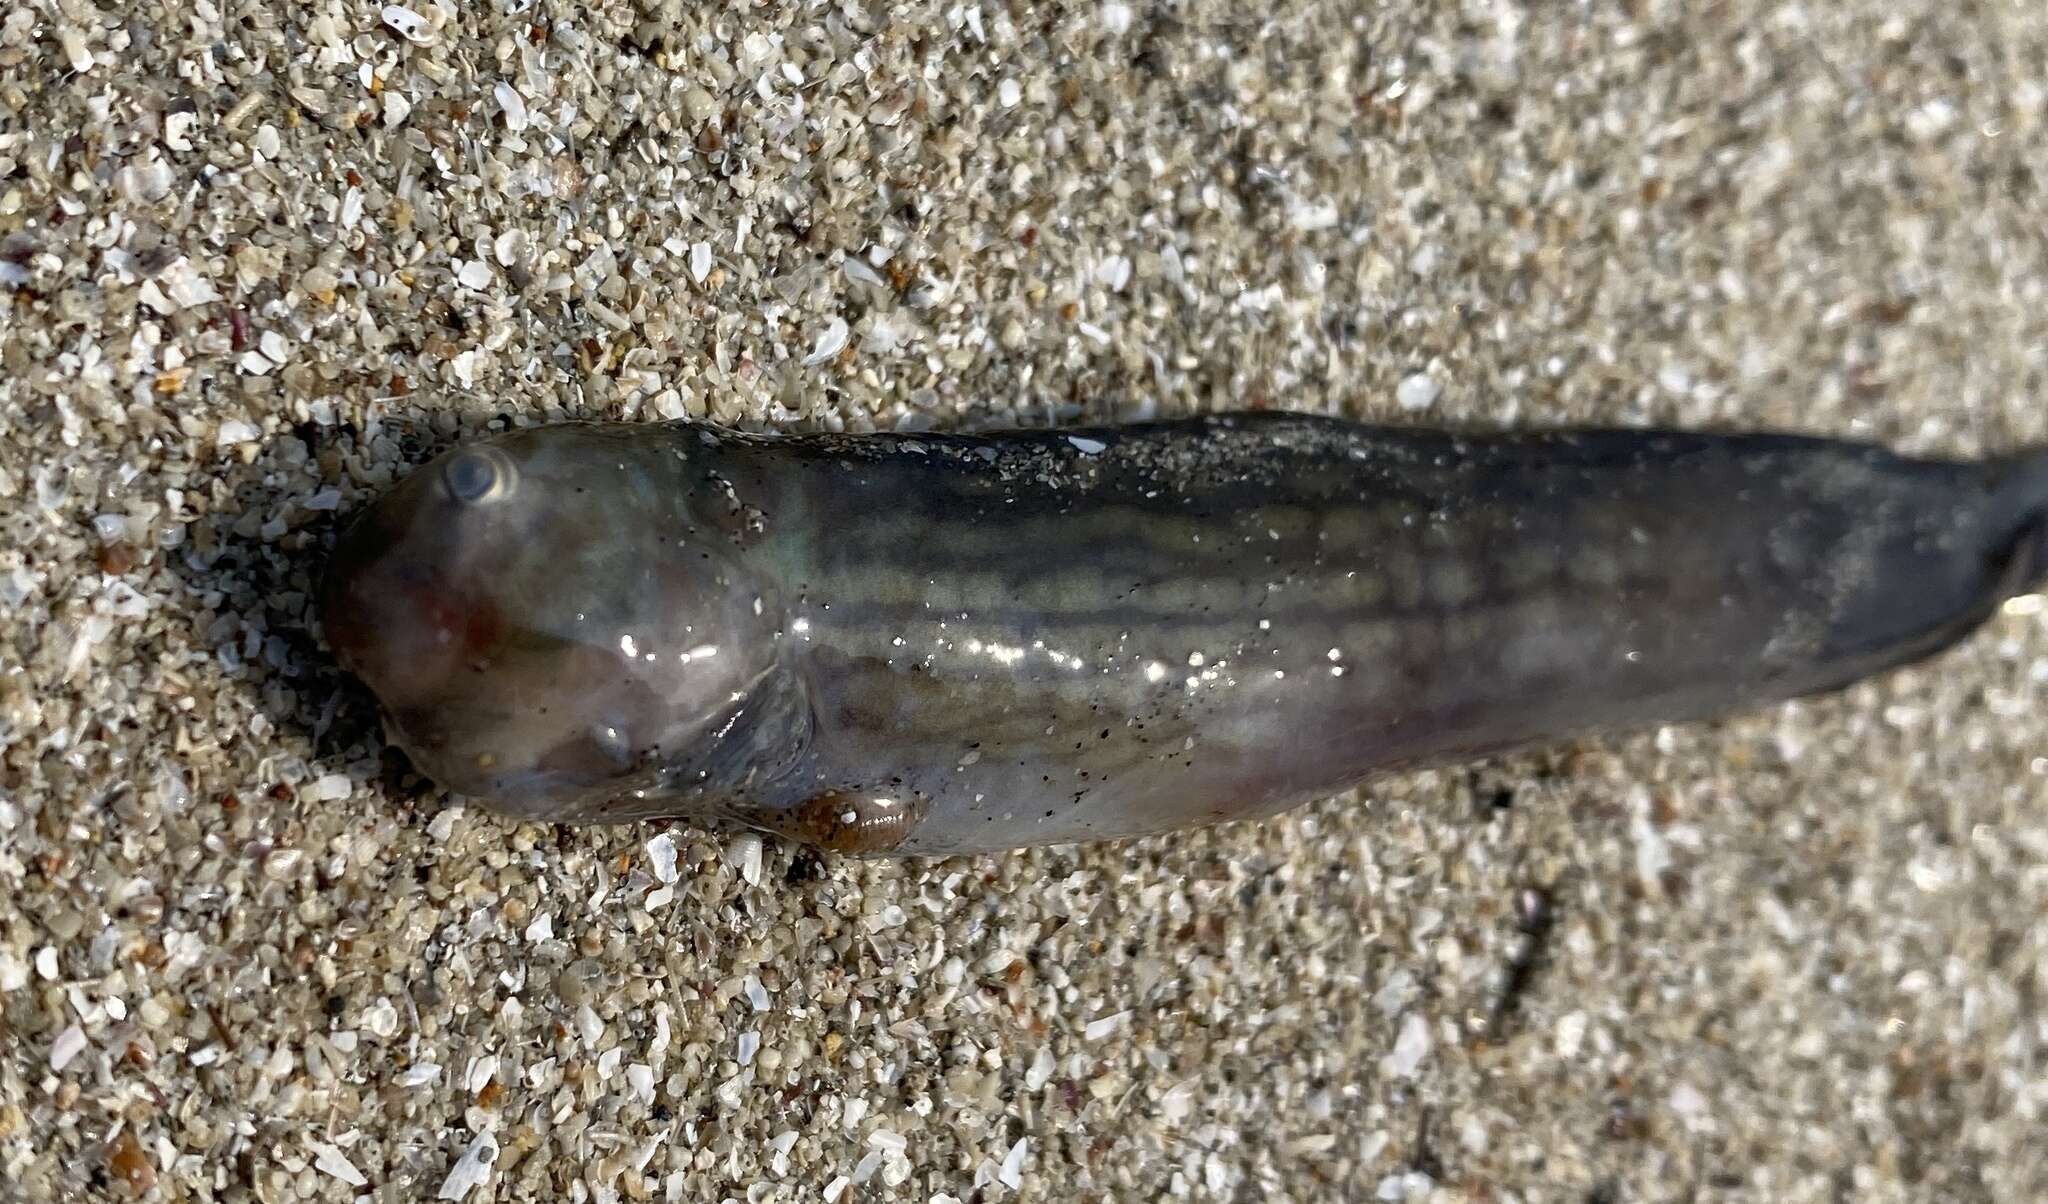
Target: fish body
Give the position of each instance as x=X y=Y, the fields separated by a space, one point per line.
x=937 y=644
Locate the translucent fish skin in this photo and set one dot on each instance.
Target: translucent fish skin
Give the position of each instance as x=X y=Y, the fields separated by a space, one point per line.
x=940 y=644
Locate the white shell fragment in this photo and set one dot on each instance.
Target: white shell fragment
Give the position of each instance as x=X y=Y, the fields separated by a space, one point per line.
x=830 y=342
x=661 y=857
x=235 y=430
x=76 y=52
x=68 y=1045
x=408 y=24
x=1417 y=392
x=336 y=1163
x=743 y=853
x=471 y=1169
x=513 y=105
x=183 y=286
x=1411 y=1047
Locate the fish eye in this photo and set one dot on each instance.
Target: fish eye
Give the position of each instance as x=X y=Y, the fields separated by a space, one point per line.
x=477 y=474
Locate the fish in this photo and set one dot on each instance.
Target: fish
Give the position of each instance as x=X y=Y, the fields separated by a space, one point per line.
x=931 y=644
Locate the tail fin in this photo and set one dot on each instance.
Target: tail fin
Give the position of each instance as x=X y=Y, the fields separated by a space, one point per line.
x=2020 y=516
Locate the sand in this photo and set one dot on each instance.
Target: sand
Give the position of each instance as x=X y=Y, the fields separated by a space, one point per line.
x=257 y=258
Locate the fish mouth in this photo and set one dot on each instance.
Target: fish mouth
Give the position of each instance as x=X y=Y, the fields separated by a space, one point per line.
x=343 y=623
x=403 y=626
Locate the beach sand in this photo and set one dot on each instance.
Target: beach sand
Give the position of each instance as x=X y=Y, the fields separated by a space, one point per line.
x=257 y=258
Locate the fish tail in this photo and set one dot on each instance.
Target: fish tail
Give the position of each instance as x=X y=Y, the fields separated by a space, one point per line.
x=2019 y=514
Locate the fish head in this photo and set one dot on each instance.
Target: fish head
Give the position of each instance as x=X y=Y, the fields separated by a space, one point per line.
x=548 y=618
